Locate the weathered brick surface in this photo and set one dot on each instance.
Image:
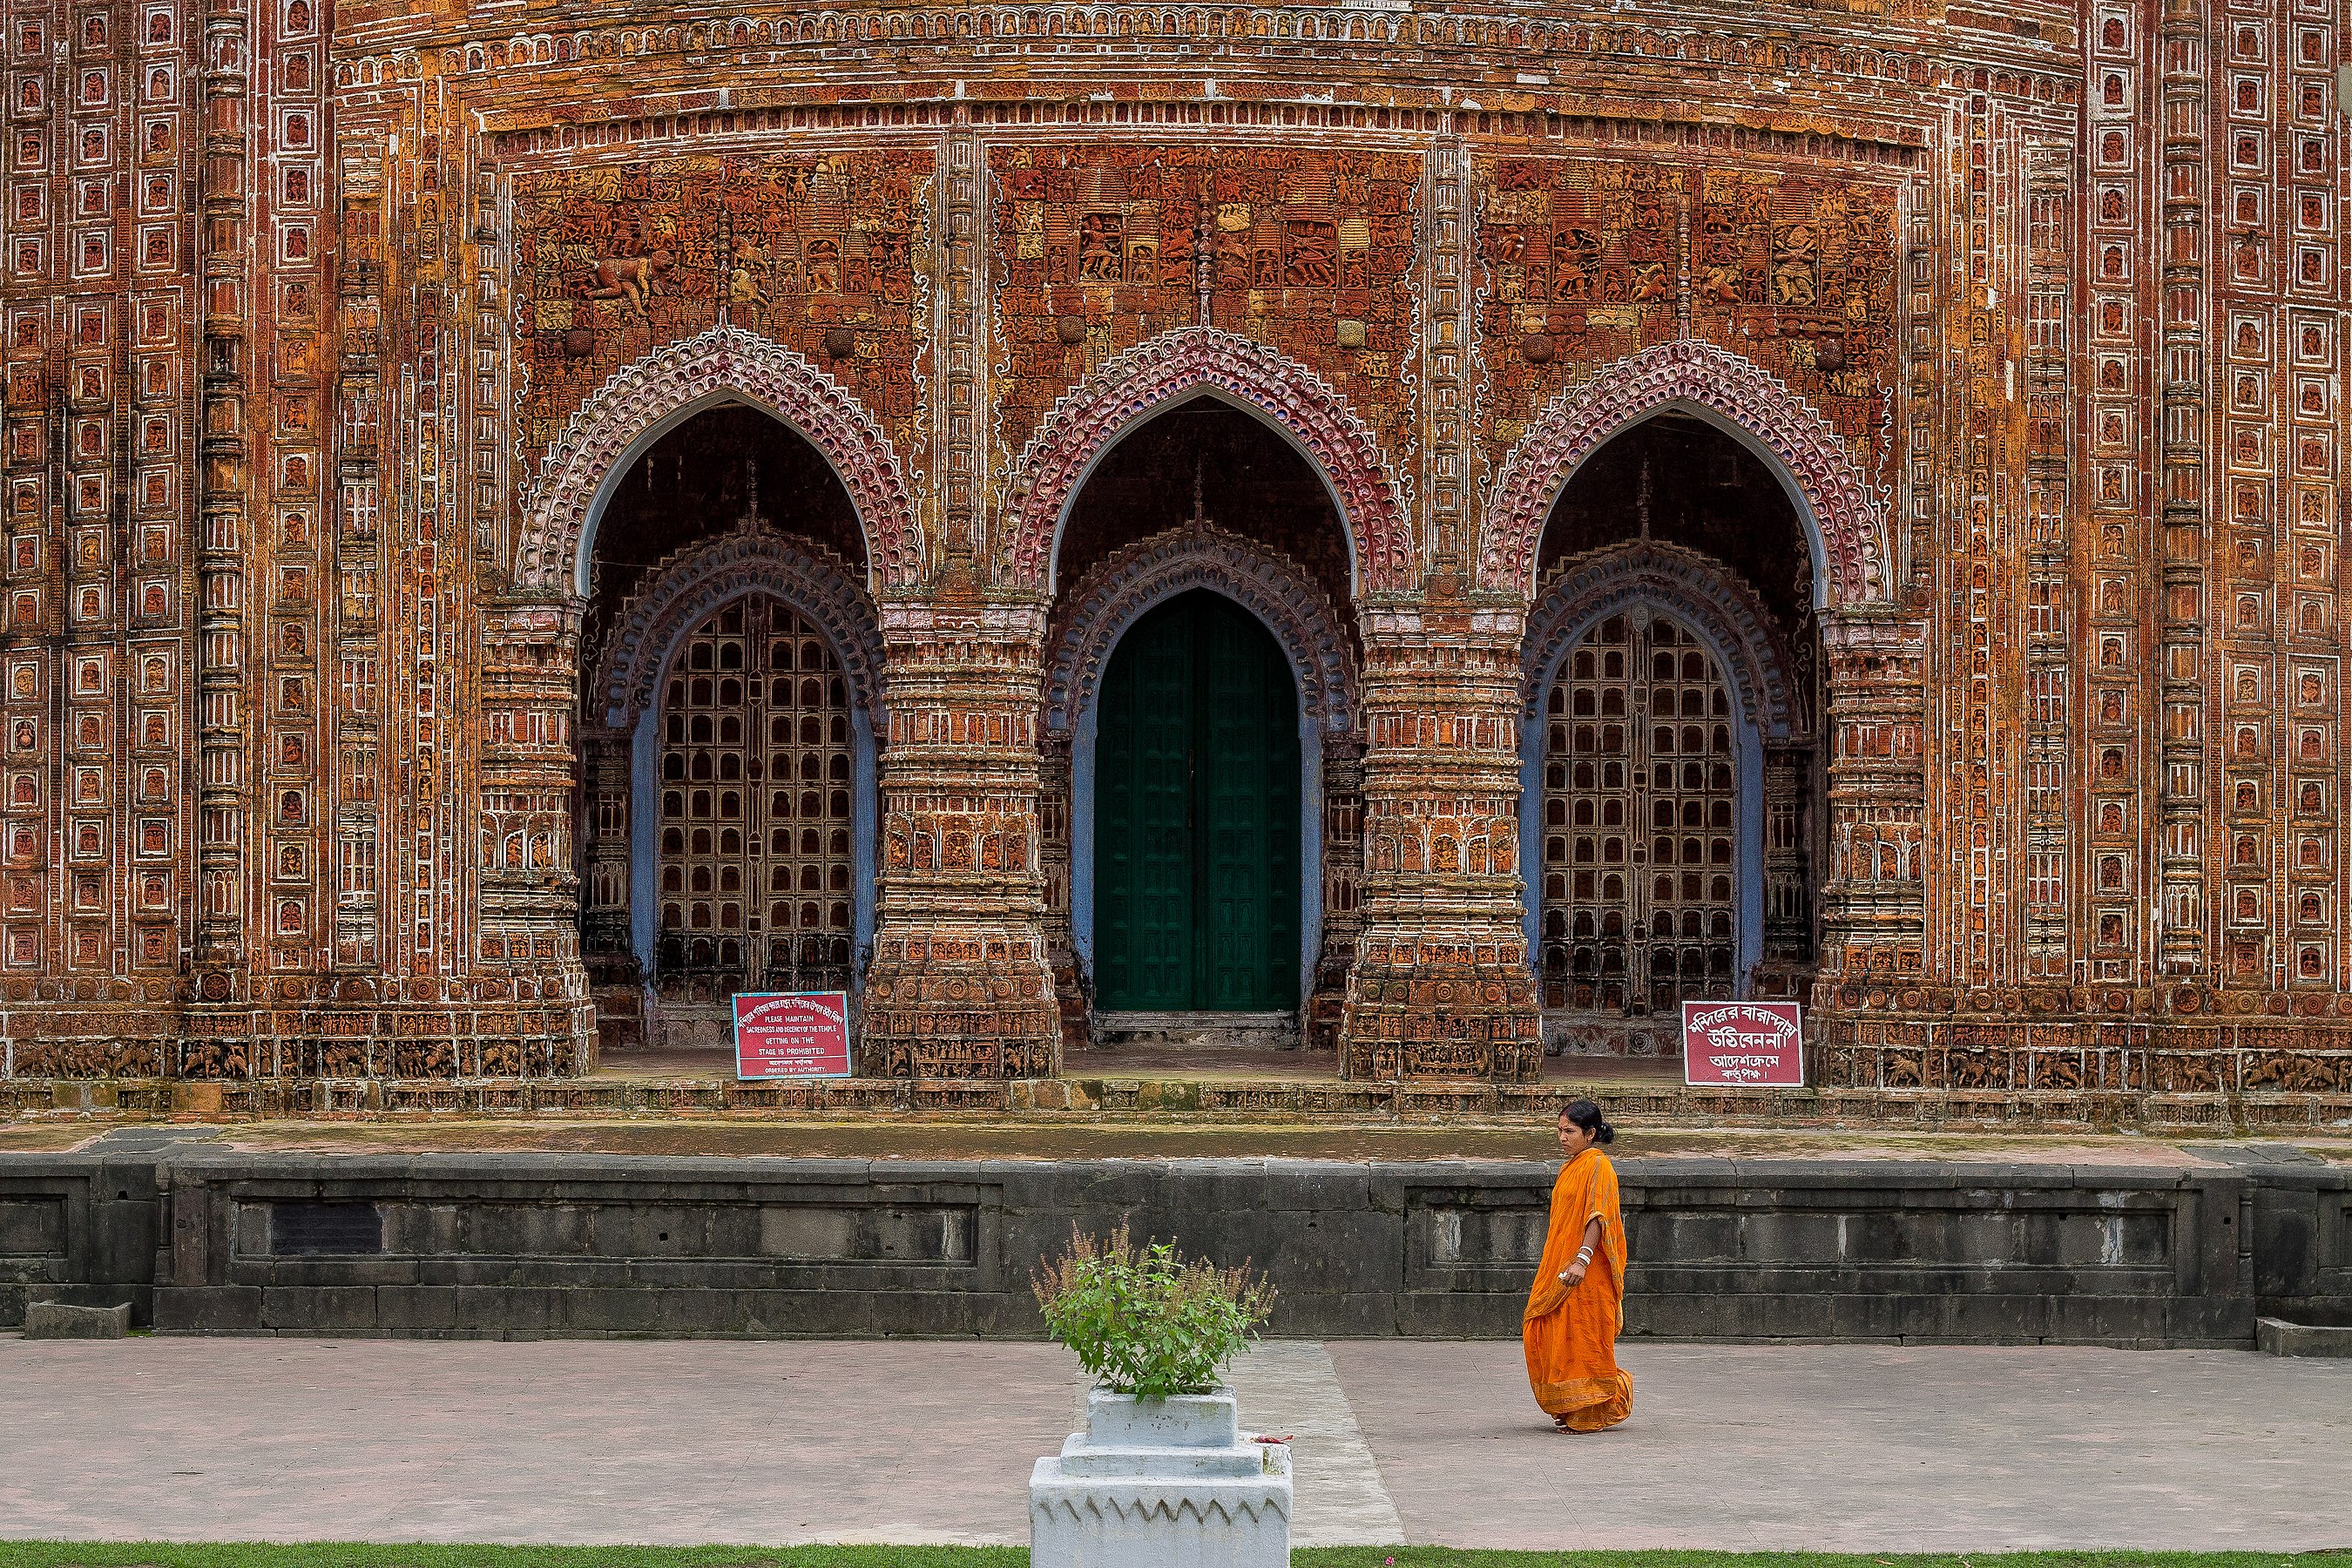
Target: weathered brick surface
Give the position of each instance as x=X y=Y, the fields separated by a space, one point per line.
x=328 y=332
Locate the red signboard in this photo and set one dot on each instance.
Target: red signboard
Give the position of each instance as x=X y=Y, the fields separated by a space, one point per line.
x=1743 y=1045
x=793 y=1034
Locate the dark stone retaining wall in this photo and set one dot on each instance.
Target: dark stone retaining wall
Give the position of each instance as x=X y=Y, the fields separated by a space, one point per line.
x=546 y=1244
x=78 y=1229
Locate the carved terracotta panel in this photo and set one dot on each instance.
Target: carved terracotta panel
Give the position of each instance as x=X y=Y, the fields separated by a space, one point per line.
x=1099 y=247
x=815 y=251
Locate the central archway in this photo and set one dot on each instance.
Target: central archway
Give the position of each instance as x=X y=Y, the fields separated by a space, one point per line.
x=1187 y=364
x=1140 y=535
x=1283 y=600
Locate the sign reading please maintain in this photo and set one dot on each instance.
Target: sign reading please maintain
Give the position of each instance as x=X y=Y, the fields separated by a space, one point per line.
x=801 y=1034
x=1743 y=1045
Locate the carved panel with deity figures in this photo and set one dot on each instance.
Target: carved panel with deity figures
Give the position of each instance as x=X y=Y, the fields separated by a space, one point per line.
x=813 y=250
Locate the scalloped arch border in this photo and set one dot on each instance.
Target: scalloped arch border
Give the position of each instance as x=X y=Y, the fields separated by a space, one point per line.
x=709 y=368
x=1681 y=582
x=1126 y=388
x=1270 y=585
x=1833 y=494
x=691 y=585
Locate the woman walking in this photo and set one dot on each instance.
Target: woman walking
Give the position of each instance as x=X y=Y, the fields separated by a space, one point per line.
x=1578 y=1303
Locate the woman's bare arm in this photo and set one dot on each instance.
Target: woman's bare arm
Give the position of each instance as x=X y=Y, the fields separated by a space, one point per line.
x=1574 y=1273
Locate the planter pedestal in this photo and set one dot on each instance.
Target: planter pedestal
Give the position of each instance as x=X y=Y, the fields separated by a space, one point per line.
x=1160 y=1483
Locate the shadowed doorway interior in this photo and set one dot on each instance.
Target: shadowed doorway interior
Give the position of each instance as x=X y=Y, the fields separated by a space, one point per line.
x=1196 y=819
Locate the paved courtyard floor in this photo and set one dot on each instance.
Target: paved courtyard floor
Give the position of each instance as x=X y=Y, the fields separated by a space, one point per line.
x=1835 y=1448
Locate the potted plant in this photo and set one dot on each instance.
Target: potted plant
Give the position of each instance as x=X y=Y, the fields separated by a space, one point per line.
x=1163 y=1473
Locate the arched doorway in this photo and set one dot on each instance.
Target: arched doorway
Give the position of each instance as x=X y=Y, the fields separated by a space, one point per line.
x=756 y=865
x=727 y=742
x=1207 y=498
x=1670 y=772
x=1642 y=878
x=1196 y=816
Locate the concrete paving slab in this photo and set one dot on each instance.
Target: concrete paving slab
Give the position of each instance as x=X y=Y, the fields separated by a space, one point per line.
x=661 y=1443
x=1835 y=1448
x=1292 y=1388
x=1867 y=1448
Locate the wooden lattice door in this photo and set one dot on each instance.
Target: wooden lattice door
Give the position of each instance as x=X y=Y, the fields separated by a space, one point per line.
x=755 y=809
x=1640 y=841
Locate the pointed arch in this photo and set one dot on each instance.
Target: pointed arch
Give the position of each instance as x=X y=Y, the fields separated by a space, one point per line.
x=1278 y=391
x=1130 y=582
x=1708 y=596
x=1845 y=518
x=1113 y=598
x=686 y=588
x=641 y=402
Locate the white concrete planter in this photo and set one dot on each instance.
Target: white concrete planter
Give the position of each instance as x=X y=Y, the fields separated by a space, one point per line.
x=1160 y=1483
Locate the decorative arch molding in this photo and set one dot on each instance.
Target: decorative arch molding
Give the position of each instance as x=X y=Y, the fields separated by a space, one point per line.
x=641 y=402
x=682 y=591
x=1126 y=584
x=689 y=587
x=1711 y=598
x=1846 y=518
x=1128 y=388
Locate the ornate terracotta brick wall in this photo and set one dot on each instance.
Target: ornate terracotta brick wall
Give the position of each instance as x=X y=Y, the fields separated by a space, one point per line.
x=1307 y=251
x=327 y=329
x=812 y=250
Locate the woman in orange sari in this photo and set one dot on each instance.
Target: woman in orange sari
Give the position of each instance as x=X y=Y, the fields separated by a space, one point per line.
x=1578 y=1303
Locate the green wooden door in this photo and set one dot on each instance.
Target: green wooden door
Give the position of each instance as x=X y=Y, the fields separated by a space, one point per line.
x=1196 y=816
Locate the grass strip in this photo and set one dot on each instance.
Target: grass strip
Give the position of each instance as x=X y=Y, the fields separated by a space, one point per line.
x=337 y=1554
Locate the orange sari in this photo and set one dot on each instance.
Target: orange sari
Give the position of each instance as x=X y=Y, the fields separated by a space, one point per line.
x=1571 y=1335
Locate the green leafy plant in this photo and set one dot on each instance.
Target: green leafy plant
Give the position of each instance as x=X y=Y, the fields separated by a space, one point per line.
x=1145 y=1320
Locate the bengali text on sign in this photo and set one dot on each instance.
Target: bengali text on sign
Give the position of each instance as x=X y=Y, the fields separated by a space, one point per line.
x=1743 y=1045
x=793 y=1034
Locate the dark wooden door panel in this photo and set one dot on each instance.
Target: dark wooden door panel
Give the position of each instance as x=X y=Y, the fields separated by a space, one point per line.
x=1196 y=822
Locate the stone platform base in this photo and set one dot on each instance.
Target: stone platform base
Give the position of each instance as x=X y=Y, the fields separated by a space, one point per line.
x=2276 y=1336
x=1161 y=1483
x=1168 y=1094
x=208 y=1238
x=1207 y=1033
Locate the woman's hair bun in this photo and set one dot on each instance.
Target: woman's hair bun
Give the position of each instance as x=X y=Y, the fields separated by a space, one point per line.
x=1587 y=1115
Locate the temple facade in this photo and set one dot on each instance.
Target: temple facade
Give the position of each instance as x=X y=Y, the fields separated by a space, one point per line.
x=1433 y=533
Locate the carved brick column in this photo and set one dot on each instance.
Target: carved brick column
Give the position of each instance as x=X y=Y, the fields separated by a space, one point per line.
x=223 y=668
x=1055 y=854
x=961 y=984
x=1873 y=898
x=1343 y=895
x=1441 y=985
x=535 y=1014
x=616 y=980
